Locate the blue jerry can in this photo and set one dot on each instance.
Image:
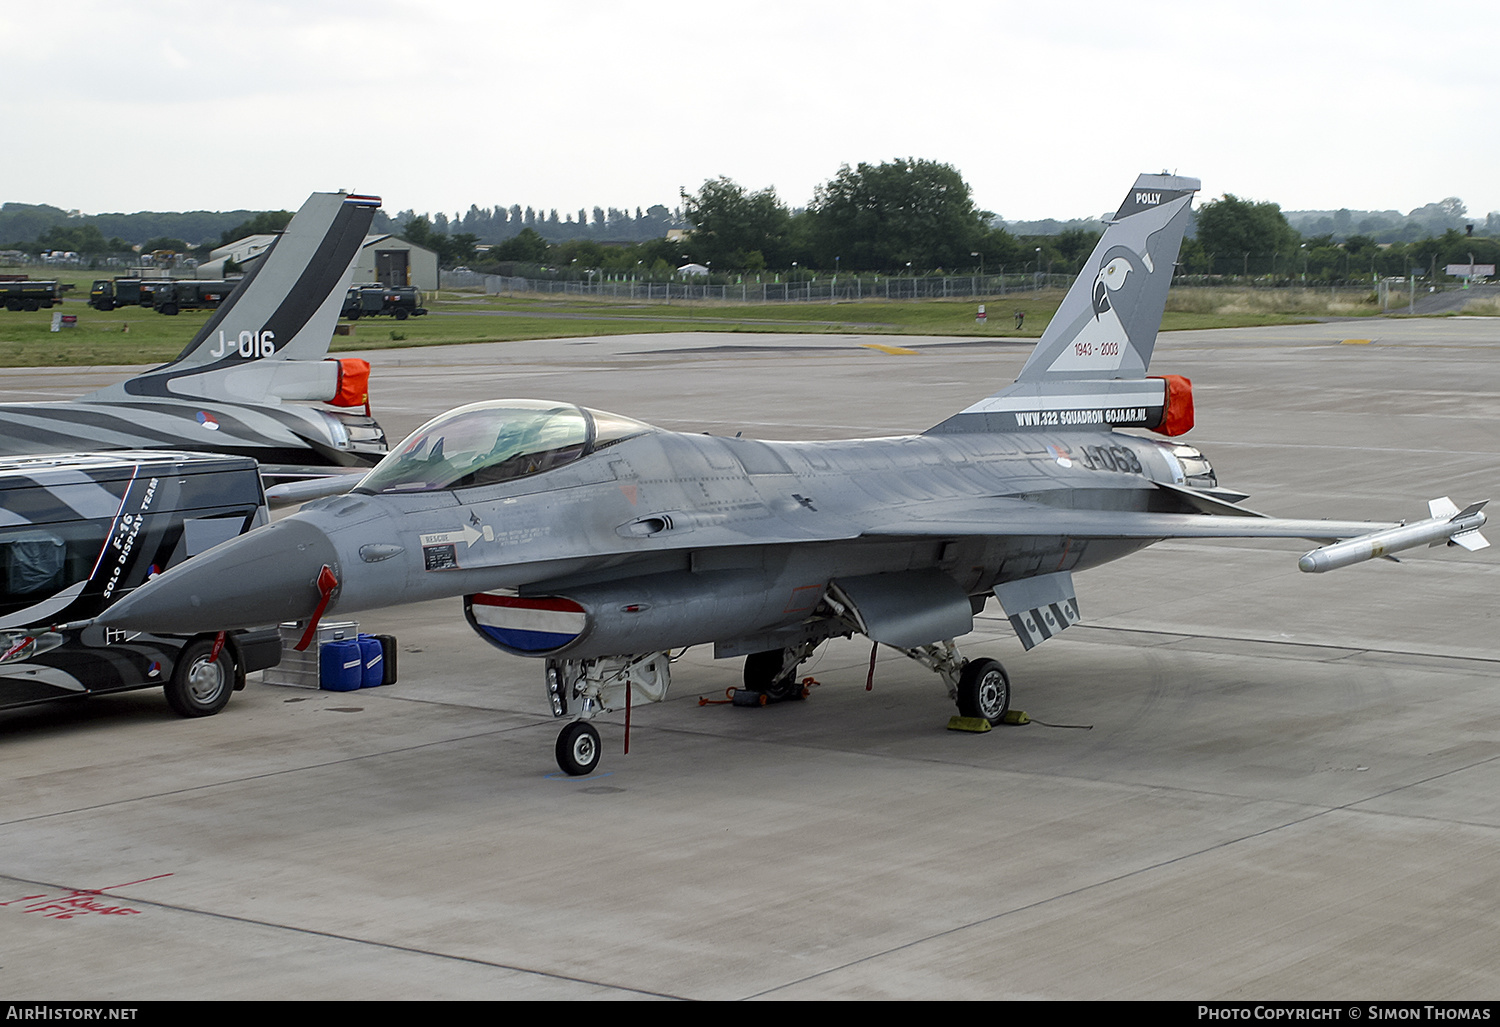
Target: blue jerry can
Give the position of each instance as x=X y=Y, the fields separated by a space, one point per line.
x=371 y=654
x=340 y=666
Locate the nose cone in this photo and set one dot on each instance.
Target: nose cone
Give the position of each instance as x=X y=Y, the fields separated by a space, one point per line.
x=265 y=577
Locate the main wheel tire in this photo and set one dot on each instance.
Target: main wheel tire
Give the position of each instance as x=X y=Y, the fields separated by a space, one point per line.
x=984 y=691
x=761 y=670
x=578 y=749
x=201 y=687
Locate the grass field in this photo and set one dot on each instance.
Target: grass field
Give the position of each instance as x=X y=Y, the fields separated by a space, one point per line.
x=1488 y=307
x=140 y=336
x=1293 y=302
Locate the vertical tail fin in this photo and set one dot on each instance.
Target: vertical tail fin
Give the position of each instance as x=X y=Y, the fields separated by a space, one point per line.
x=1089 y=369
x=1107 y=324
x=283 y=312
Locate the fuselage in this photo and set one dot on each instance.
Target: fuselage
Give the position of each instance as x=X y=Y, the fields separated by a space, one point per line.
x=700 y=538
x=271 y=433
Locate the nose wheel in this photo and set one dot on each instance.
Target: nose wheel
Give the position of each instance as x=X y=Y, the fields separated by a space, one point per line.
x=578 y=749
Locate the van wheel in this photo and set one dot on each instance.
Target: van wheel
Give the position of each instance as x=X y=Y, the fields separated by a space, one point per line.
x=201 y=687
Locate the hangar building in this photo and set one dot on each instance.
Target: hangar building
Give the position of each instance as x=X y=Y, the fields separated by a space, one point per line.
x=391 y=260
x=387 y=259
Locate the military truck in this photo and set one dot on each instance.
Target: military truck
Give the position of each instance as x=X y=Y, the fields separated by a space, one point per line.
x=398 y=301
x=190 y=294
x=126 y=291
x=27 y=294
x=164 y=295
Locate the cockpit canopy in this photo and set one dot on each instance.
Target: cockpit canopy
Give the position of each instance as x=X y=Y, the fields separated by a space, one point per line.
x=503 y=439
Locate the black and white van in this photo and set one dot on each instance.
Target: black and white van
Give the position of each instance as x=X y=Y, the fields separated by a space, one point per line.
x=77 y=532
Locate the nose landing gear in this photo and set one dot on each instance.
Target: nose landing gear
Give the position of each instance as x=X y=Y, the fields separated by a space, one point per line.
x=599 y=686
x=578 y=748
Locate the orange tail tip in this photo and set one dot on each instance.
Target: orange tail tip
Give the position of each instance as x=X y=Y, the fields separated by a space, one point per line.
x=353 y=384
x=1177 y=419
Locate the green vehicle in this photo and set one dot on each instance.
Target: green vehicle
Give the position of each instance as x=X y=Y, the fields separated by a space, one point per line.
x=398 y=301
x=108 y=294
x=31 y=295
x=164 y=295
x=190 y=294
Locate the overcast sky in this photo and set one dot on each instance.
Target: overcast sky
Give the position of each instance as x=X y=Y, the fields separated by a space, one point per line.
x=1047 y=109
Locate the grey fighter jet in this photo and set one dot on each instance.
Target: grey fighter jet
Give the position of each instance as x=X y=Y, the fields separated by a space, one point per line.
x=230 y=390
x=598 y=544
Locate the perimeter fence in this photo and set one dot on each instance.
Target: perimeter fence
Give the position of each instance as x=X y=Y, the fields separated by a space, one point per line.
x=823 y=289
x=843 y=288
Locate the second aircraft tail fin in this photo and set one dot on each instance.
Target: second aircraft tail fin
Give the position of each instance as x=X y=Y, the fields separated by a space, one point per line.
x=267 y=341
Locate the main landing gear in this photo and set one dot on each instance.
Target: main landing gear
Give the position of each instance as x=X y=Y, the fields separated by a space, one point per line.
x=980 y=688
x=773 y=673
x=983 y=691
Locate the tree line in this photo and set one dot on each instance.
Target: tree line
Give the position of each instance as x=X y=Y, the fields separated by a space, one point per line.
x=1254 y=240
x=490 y=225
x=905 y=217
x=38 y=228
x=1384 y=226
x=918 y=217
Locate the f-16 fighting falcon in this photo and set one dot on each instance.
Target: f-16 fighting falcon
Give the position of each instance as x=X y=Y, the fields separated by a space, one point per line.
x=598 y=544
x=228 y=391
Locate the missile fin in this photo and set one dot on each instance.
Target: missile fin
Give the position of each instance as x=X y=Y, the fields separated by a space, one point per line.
x=1470 y=540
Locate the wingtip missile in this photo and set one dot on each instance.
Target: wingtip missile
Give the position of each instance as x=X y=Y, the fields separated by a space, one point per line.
x=1459 y=528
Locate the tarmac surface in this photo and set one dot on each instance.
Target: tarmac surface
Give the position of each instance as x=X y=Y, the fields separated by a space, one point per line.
x=1450 y=300
x=1251 y=782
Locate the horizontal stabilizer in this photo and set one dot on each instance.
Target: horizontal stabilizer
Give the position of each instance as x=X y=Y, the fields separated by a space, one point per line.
x=1219 y=501
x=1064 y=406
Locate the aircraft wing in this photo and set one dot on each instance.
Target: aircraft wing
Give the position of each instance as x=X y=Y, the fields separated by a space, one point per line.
x=1006 y=515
